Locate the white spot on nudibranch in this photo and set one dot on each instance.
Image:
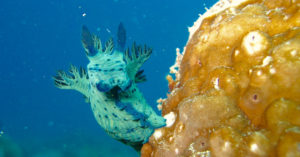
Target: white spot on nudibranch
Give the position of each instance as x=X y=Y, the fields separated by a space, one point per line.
x=170 y=117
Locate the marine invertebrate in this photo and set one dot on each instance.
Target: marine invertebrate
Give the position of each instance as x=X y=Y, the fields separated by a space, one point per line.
x=110 y=86
x=239 y=86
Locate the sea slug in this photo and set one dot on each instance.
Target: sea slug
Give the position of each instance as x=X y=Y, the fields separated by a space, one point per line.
x=110 y=86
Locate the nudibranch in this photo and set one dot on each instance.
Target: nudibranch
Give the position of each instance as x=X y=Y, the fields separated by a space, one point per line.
x=110 y=86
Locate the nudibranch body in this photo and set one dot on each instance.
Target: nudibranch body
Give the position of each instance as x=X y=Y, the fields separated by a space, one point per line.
x=110 y=86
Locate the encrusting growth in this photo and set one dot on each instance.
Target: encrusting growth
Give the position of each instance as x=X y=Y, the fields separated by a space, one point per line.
x=238 y=93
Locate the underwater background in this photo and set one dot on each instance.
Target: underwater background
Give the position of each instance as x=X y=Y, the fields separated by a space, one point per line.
x=37 y=38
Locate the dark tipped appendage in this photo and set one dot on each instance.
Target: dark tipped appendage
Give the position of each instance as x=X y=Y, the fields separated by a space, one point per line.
x=121 y=37
x=140 y=77
x=88 y=41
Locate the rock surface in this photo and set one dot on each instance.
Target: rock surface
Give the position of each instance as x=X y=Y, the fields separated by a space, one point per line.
x=237 y=90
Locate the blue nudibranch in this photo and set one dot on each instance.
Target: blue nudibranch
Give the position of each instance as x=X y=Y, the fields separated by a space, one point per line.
x=110 y=86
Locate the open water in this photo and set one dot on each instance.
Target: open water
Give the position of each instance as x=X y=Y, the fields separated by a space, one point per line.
x=38 y=37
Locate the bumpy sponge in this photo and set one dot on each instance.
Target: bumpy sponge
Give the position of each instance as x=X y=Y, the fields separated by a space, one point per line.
x=237 y=92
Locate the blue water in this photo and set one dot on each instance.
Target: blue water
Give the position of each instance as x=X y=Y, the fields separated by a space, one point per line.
x=38 y=37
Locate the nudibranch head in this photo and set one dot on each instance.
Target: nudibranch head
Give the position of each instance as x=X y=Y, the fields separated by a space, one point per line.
x=107 y=68
x=107 y=71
